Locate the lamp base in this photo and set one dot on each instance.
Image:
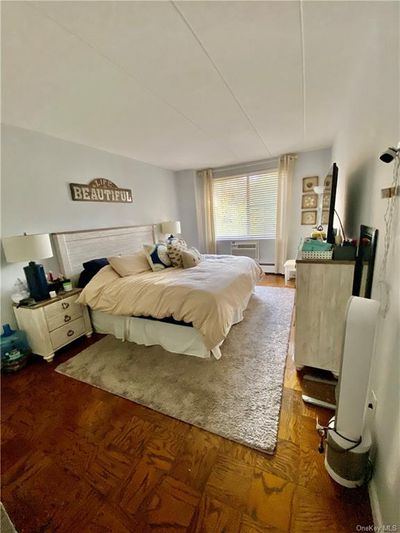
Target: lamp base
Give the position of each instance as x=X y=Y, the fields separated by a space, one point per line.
x=37 y=281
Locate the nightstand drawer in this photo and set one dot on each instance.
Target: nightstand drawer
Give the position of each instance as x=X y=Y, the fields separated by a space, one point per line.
x=67 y=333
x=54 y=323
x=61 y=319
x=62 y=307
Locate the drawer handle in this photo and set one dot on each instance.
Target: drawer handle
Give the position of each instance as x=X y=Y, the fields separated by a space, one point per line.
x=67 y=318
x=70 y=332
x=65 y=305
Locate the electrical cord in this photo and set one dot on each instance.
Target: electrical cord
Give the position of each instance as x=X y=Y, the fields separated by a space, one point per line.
x=370 y=472
x=356 y=443
x=323 y=432
x=341 y=225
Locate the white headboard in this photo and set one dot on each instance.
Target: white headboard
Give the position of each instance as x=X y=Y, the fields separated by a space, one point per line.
x=75 y=247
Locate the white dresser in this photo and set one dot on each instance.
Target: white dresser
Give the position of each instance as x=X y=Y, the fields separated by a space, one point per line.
x=54 y=323
x=323 y=289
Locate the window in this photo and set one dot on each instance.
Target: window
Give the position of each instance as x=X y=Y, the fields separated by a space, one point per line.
x=245 y=206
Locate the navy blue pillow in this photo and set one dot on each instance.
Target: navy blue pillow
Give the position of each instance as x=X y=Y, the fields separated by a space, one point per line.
x=84 y=278
x=90 y=270
x=95 y=264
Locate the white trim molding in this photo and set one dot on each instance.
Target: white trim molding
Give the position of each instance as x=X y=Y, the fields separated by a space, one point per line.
x=375 y=505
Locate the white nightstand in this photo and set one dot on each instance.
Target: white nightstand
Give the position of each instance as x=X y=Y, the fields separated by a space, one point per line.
x=52 y=324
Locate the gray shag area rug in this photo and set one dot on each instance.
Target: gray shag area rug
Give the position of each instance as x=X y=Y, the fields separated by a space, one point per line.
x=237 y=397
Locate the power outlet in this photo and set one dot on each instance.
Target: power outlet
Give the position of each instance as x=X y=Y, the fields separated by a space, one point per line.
x=372 y=403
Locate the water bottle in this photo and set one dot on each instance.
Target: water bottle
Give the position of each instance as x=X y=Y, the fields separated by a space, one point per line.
x=14 y=349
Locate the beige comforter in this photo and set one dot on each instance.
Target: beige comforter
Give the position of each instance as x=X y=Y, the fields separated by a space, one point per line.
x=210 y=295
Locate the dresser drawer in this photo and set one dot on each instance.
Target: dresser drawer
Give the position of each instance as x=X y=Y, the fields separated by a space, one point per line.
x=63 y=318
x=67 y=333
x=63 y=307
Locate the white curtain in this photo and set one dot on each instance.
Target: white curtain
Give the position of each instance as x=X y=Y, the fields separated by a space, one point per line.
x=285 y=173
x=208 y=219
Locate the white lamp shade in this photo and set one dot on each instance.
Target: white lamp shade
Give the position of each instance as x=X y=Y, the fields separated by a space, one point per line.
x=320 y=189
x=172 y=227
x=27 y=248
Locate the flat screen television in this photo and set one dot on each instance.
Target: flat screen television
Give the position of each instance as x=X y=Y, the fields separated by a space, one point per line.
x=331 y=185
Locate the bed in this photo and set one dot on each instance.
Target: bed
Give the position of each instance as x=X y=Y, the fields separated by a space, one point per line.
x=186 y=311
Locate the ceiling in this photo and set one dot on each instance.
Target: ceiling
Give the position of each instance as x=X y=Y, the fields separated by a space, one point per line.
x=183 y=84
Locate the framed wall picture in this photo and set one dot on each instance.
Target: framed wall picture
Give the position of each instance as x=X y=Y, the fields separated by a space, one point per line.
x=328 y=182
x=326 y=200
x=309 y=201
x=309 y=183
x=308 y=218
x=325 y=217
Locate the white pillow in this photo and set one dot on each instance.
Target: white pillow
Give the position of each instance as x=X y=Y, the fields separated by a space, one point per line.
x=190 y=257
x=128 y=265
x=157 y=256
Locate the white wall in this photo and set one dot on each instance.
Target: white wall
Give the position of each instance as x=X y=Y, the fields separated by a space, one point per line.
x=36 y=170
x=313 y=163
x=371 y=124
x=189 y=208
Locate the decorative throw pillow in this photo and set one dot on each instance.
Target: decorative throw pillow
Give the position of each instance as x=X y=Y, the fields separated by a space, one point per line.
x=190 y=258
x=157 y=256
x=193 y=249
x=175 y=248
x=128 y=265
x=95 y=264
x=90 y=269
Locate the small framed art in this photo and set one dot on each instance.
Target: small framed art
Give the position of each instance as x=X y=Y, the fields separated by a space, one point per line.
x=309 y=183
x=328 y=182
x=325 y=216
x=326 y=200
x=309 y=201
x=308 y=218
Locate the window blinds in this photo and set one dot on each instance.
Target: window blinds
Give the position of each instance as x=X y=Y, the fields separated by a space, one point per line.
x=245 y=206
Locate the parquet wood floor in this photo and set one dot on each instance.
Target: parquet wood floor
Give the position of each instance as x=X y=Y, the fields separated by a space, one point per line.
x=78 y=459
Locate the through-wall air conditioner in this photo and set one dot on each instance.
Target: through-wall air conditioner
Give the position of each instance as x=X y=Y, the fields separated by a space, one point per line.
x=246 y=248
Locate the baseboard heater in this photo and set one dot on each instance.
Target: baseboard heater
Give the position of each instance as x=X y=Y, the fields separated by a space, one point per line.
x=268 y=268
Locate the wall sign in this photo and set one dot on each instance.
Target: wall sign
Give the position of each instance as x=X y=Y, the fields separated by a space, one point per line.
x=100 y=190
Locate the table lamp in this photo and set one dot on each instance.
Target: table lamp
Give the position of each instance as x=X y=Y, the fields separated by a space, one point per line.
x=171 y=227
x=28 y=248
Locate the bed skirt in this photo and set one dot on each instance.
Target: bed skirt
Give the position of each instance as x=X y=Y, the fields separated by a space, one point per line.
x=173 y=338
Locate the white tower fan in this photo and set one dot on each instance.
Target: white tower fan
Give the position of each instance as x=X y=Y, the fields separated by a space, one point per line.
x=348 y=439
